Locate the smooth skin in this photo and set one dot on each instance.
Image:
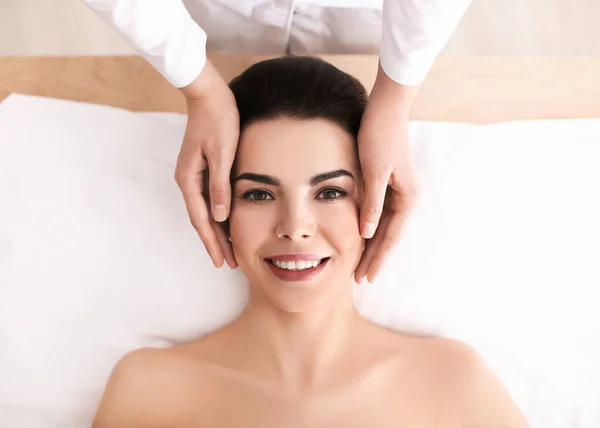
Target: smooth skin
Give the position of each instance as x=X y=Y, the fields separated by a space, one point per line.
x=300 y=355
x=211 y=140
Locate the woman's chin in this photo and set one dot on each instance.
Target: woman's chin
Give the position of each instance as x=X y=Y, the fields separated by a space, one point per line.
x=298 y=297
x=297 y=304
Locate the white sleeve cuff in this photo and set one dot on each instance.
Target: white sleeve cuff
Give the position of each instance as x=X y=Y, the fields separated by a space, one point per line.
x=413 y=34
x=162 y=31
x=183 y=64
x=405 y=71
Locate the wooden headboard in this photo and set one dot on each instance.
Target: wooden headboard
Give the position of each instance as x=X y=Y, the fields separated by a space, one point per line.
x=470 y=89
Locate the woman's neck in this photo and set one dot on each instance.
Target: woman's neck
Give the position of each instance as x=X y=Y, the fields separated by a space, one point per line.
x=300 y=349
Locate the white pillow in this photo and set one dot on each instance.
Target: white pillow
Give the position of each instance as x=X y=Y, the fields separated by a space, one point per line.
x=97 y=256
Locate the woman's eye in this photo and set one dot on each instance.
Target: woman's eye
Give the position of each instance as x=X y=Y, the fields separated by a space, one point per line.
x=257 y=196
x=330 y=194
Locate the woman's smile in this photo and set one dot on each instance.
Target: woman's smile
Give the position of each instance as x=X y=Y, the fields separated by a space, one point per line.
x=296 y=267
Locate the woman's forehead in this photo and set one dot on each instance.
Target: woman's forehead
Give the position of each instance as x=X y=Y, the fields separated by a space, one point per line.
x=295 y=148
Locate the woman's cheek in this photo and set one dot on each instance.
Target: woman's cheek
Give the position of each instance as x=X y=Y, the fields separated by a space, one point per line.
x=342 y=229
x=341 y=221
x=247 y=224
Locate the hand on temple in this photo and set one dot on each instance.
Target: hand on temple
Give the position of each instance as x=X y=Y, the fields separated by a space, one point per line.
x=210 y=140
x=391 y=187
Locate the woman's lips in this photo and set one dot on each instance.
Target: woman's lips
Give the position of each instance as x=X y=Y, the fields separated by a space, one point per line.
x=296 y=257
x=299 y=275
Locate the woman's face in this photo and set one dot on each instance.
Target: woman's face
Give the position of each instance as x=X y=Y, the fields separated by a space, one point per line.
x=296 y=195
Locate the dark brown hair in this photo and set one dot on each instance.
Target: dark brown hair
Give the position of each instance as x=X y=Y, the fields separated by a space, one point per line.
x=299 y=88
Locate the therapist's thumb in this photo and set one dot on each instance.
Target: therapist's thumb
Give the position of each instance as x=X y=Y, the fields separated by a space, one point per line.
x=219 y=168
x=376 y=183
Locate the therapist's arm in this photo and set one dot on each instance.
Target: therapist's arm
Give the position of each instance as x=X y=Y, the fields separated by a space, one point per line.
x=164 y=33
x=414 y=33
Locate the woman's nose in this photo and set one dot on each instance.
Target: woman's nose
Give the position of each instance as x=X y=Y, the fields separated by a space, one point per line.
x=295 y=225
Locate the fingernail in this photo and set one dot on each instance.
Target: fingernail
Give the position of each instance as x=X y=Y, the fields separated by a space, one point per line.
x=368 y=230
x=219 y=213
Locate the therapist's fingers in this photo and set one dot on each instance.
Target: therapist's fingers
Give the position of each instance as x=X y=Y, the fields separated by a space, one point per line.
x=209 y=145
x=197 y=208
x=382 y=244
x=370 y=251
x=399 y=202
x=224 y=244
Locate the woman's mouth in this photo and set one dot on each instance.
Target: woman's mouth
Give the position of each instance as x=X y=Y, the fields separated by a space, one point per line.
x=298 y=270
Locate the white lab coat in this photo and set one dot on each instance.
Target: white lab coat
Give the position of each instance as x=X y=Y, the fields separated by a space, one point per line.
x=172 y=35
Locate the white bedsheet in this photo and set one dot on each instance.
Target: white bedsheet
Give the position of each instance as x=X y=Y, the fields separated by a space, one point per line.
x=97 y=256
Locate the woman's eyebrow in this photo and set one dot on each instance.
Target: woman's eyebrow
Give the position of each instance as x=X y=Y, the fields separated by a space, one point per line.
x=259 y=178
x=329 y=176
x=272 y=181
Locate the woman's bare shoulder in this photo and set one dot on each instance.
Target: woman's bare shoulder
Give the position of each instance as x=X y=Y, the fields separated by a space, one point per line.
x=467 y=389
x=478 y=393
x=146 y=388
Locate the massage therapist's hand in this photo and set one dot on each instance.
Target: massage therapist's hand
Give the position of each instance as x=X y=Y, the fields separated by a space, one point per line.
x=391 y=187
x=210 y=141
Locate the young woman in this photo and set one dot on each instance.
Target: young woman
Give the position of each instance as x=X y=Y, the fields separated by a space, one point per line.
x=300 y=355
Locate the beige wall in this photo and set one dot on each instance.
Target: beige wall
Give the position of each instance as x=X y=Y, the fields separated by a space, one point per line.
x=529 y=28
x=490 y=27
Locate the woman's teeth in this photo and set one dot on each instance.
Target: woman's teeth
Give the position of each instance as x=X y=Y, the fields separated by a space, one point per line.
x=297 y=265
